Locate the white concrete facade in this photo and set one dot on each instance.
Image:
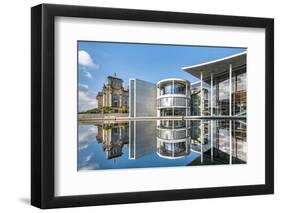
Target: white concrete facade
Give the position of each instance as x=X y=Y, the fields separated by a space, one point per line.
x=142 y=98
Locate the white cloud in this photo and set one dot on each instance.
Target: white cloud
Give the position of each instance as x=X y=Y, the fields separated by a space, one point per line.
x=87 y=99
x=87 y=133
x=85 y=59
x=83 y=146
x=88 y=158
x=89 y=166
x=87 y=74
x=83 y=87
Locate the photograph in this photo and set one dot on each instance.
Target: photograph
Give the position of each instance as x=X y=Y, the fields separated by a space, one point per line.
x=132 y=105
x=160 y=105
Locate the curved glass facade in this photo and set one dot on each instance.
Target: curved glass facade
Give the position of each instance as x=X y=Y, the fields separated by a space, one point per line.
x=173 y=97
x=173 y=87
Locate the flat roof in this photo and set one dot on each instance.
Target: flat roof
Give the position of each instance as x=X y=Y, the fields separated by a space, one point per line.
x=173 y=79
x=217 y=66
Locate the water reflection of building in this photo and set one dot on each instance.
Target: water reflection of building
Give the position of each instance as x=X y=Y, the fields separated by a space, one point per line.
x=113 y=136
x=173 y=98
x=142 y=138
x=221 y=91
x=113 y=95
x=173 y=143
x=227 y=148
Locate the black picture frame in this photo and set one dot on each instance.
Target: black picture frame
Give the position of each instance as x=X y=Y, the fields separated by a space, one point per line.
x=43 y=102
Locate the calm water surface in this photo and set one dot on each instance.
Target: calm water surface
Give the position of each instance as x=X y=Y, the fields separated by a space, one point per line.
x=143 y=144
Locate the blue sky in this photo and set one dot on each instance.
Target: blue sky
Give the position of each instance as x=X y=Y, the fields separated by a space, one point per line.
x=149 y=62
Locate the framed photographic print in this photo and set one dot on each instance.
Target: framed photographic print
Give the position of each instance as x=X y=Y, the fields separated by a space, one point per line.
x=140 y=106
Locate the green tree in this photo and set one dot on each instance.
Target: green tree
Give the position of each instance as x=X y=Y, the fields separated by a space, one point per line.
x=123 y=109
x=94 y=110
x=107 y=109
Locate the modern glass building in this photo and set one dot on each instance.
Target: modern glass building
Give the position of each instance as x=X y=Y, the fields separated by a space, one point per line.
x=207 y=116
x=223 y=83
x=173 y=99
x=221 y=91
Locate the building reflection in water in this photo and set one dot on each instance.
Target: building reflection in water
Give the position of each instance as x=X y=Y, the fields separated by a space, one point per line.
x=216 y=146
x=142 y=138
x=175 y=139
x=219 y=98
x=113 y=137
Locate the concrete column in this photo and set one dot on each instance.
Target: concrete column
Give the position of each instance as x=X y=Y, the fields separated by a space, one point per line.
x=173 y=100
x=202 y=139
x=120 y=100
x=103 y=101
x=230 y=89
x=186 y=95
x=120 y=132
x=105 y=98
x=212 y=134
x=110 y=98
x=230 y=113
x=201 y=105
x=201 y=94
x=135 y=101
x=158 y=101
x=130 y=102
x=134 y=138
x=212 y=85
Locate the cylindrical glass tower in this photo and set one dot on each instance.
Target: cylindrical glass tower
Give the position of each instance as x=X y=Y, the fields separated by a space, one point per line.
x=173 y=98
